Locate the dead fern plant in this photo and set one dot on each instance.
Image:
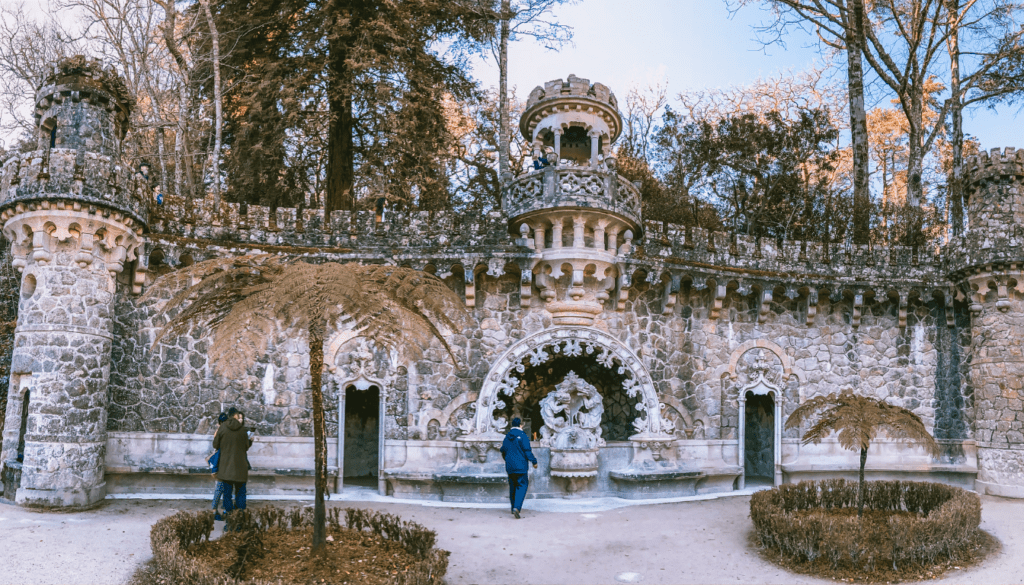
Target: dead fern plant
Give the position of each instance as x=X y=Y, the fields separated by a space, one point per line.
x=857 y=420
x=244 y=301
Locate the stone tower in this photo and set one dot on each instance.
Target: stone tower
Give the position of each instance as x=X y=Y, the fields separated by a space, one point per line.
x=577 y=213
x=75 y=221
x=991 y=273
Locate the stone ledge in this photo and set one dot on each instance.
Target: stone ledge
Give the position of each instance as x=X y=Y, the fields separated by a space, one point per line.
x=914 y=468
x=658 y=475
x=258 y=472
x=481 y=478
x=999 y=489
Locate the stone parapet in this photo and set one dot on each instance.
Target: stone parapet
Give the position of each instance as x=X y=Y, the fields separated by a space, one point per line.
x=256 y=224
x=698 y=248
x=90 y=178
x=994 y=165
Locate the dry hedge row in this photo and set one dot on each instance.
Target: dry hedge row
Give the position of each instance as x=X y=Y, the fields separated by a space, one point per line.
x=802 y=522
x=171 y=537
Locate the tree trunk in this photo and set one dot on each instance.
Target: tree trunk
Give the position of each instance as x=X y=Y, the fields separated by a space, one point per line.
x=860 y=487
x=340 y=147
x=915 y=139
x=858 y=125
x=316 y=368
x=503 y=130
x=955 y=192
x=218 y=119
x=161 y=136
x=182 y=162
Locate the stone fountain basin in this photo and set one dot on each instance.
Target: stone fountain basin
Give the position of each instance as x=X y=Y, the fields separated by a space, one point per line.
x=659 y=483
x=574 y=462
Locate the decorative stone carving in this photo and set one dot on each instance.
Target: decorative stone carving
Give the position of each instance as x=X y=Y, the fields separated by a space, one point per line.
x=572 y=428
x=541 y=347
x=572 y=415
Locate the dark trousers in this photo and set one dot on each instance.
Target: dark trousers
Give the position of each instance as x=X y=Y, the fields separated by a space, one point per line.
x=238 y=488
x=517 y=484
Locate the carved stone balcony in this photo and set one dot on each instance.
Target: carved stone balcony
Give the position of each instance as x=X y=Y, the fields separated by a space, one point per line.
x=572 y=188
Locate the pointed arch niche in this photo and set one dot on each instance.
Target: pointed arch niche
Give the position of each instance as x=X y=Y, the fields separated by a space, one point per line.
x=761 y=371
x=360 y=378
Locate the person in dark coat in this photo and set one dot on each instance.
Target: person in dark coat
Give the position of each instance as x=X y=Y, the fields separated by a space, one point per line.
x=233 y=468
x=516 y=452
x=214 y=461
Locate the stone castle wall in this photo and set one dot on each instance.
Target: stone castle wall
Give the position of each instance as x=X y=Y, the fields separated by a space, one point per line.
x=168 y=389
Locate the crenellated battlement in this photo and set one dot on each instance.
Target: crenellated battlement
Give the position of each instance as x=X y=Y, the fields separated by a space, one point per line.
x=85 y=176
x=287 y=226
x=574 y=86
x=79 y=79
x=677 y=243
x=999 y=162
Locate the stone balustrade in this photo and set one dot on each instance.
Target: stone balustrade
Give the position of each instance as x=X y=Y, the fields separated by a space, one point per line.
x=560 y=188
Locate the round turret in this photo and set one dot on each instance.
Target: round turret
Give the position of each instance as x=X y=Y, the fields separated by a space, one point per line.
x=575 y=119
x=82 y=116
x=75 y=223
x=995 y=201
x=573 y=208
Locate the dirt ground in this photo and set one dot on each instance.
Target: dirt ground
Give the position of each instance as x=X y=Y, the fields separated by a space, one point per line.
x=685 y=542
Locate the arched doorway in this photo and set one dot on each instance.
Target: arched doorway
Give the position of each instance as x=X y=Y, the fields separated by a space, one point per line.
x=360 y=446
x=760 y=424
x=759 y=440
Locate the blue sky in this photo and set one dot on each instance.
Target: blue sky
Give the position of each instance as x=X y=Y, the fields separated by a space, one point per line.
x=688 y=44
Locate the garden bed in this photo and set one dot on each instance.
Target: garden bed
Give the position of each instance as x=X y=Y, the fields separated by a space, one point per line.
x=271 y=545
x=909 y=531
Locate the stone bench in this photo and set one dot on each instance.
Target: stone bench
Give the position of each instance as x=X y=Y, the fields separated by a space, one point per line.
x=949 y=473
x=197 y=480
x=471 y=486
x=674 y=482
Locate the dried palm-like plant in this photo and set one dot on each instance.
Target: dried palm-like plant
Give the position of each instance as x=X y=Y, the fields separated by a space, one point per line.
x=244 y=301
x=857 y=420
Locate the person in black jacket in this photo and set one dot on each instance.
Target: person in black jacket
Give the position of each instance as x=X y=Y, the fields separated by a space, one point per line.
x=515 y=450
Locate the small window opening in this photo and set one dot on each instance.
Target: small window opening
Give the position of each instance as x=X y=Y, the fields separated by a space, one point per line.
x=24 y=427
x=53 y=137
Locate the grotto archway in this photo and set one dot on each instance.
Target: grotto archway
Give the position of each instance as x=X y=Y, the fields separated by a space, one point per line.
x=581 y=344
x=538 y=380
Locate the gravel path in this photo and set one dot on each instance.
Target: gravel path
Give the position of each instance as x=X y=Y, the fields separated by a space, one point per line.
x=582 y=541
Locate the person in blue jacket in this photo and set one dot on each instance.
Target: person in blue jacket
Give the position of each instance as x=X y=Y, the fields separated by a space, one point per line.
x=515 y=450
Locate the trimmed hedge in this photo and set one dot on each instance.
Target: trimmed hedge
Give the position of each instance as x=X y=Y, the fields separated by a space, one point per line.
x=800 y=521
x=171 y=537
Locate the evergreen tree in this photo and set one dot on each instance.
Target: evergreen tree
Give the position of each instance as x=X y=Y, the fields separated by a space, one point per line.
x=367 y=73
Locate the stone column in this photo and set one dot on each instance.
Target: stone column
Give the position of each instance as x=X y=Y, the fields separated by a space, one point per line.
x=997 y=374
x=69 y=260
x=991 y=273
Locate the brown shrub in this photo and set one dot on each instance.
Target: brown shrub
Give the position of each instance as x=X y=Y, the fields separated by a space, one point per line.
x=925 y=522
x=171 y=537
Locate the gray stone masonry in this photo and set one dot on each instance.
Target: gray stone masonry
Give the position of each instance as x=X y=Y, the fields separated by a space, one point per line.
x=669 y=323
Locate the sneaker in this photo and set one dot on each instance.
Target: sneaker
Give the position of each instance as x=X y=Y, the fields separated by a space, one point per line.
x=217 y=516
x=515 y=512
